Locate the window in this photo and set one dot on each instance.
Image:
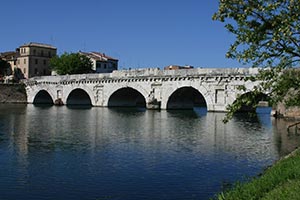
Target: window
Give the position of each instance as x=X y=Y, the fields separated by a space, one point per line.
x=49 y=54
x=24 y=70
x=36 y=61
x=104 y=66
x=98 y=65
x=44 y=72
x=18 y=62
x=25 y=61
x=42 y=53
x=35 y=71
x=45 y=62
x=34 y=52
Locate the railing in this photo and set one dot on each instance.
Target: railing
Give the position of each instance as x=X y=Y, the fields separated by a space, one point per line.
x=293 y=125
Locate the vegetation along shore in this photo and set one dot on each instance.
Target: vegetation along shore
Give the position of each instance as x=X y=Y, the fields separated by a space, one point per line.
x=280 y=181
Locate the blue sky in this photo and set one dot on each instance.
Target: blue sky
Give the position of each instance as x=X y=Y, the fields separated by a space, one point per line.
x=140 y=33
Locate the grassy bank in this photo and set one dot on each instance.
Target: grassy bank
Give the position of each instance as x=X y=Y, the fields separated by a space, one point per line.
x=281 y=181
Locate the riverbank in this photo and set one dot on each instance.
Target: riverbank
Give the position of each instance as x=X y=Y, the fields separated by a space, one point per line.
x=12 y=93
x=281 y=181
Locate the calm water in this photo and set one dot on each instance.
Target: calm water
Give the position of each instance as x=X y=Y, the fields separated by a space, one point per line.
x=101 y=153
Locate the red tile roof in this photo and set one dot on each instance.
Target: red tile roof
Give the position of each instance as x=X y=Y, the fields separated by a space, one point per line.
x=98 y=56
x=104 y=56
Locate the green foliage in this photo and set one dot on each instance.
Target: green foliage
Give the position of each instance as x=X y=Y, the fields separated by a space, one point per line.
x=18 y=74
x=4 y=67
x=281 y=181
x=287 y=86
x=73 y=63
x=247 y=101
x=268 y=36
x=267 y=31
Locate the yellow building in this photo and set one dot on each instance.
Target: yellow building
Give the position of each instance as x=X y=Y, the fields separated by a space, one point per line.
x=33 y=59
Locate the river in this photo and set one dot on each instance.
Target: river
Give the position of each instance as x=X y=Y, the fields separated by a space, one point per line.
x=127 y=154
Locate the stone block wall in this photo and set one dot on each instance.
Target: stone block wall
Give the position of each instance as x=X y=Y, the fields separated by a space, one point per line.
x=288 y=112
x=12 y=93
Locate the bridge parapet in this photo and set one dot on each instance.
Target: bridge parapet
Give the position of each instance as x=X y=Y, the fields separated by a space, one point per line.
x=151 y=74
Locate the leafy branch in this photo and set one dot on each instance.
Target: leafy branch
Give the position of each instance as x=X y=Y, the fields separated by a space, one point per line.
x=267 y=36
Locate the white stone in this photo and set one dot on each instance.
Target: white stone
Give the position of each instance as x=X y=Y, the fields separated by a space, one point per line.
x=217 y=85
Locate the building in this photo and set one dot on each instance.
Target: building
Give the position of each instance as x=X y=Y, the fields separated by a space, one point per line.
x=174 y=67
x=101 y=62
x=30 y=60
x=34 y=58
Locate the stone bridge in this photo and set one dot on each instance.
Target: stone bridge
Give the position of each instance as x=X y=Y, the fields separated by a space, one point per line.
x=151 y=88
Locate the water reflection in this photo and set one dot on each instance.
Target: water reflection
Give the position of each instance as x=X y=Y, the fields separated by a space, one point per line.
x=89 y=153
x=265 y=120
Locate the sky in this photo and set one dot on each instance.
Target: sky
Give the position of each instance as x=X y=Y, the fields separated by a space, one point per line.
x=140 y=33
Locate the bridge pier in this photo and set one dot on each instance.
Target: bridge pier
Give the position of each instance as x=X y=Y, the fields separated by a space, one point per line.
x=153 y=105
x=58 y=102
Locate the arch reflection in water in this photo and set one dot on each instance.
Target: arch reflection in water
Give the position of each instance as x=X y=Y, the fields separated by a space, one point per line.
x=129 y=154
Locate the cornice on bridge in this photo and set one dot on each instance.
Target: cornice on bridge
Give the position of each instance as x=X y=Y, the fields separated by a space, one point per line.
x=149 y=75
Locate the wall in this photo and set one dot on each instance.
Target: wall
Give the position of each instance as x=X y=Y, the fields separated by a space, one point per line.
x=288 y=112
x=12 y=93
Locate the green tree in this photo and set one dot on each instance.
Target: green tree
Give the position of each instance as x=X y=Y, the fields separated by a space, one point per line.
x=71 y=63
x=267 y=35
x=4 y=67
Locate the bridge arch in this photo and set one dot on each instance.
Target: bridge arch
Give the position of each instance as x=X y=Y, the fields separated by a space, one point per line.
x=196 y=88
x=126 y=97
x=186 y=98
x=257 y=97
x=78 y=96
x=42 y=97
x=115 y=87
x=233 y=92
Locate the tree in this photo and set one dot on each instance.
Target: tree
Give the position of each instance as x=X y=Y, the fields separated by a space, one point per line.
x=267 y=36
x=4 y=67
x=73 y=63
